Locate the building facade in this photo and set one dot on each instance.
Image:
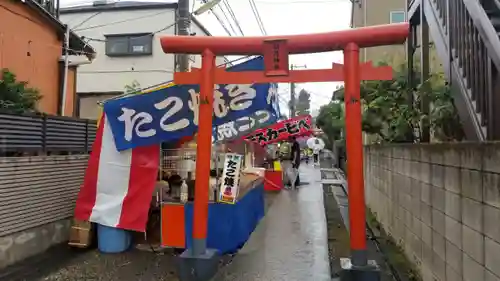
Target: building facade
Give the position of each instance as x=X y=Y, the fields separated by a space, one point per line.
x=126 y=36
x=368 y=13
x=31 y=47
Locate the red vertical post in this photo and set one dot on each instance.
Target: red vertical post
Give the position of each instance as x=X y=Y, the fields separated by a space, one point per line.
x=203 y=153
x=354 y=145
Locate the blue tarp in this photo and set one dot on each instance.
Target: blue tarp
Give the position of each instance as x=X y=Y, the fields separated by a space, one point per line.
x=230 y=226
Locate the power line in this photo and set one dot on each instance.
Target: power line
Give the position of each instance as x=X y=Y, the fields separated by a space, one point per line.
x=86 y=20
x=246 y=58
x=37 y=43
x=218 y=18
x=121 y=21
x=20 y=15
x=260 y=18
x=135 y=37
x=221 y=23
x=231 y=13
x=322 y=96
x=281 y=102
x=227 y=19
x=256 y=14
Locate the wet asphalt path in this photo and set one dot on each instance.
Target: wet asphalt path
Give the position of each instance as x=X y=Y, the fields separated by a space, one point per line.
x=290 y=243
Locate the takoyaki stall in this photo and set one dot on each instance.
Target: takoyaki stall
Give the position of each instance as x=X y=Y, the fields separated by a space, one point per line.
x=140 y=181
x=236 y=199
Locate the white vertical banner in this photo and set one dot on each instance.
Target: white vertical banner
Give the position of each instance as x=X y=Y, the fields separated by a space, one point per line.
x=230 y=178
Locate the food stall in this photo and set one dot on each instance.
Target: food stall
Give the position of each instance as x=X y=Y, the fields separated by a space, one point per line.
x=130 y=147
x=236 y=203
x=271 y=136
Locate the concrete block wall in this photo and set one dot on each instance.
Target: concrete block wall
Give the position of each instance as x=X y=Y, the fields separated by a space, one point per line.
x=441 y=203
x=37 y=197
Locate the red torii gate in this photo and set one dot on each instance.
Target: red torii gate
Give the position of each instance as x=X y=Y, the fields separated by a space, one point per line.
x=276 y=50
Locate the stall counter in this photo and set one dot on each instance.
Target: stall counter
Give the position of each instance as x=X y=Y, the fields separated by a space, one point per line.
x=229 y=225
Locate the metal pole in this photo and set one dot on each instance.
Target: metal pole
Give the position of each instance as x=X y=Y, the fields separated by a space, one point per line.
x=354 y=143
x=293 y=102
x=203 y=153
x=216 y=162
x=424 y=75
x=65 y=78
x=183 y=26
x=58 y=13
x=292 y=97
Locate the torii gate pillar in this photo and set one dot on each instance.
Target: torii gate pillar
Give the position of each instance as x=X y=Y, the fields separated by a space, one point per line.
x=200 y=263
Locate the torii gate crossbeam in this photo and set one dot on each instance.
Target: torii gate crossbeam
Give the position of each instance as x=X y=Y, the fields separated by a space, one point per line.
x=276 y=50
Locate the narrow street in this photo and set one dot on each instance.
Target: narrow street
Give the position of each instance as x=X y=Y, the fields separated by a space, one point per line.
x=291 y=242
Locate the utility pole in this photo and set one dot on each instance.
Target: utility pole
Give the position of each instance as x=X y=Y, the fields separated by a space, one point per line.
x=292 y=91
x=66 y=66
x=292 y=98
x=183 y=26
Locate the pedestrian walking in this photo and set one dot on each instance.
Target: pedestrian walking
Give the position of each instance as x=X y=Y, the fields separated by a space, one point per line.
x=316 y=152
x=292 y=164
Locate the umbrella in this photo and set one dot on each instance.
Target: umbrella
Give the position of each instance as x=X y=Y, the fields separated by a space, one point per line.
x=315 y=143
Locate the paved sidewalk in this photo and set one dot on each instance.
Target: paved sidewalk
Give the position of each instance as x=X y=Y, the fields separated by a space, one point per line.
x=290 y=243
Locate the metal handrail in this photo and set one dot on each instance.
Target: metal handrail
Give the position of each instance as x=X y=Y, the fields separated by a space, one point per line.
x=497 y=3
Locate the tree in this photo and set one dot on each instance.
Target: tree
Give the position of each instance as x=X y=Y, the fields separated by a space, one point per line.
x=388 y=116
x=16 y=96
x=303 y=103
x=331 y=120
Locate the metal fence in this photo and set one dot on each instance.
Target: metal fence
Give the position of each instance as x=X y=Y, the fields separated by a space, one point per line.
x=37 y=190
x=43 y=133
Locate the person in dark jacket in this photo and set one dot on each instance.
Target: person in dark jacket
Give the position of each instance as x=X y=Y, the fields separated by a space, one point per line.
x=293 y=171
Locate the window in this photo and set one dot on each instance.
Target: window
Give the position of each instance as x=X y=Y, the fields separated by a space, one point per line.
x=398 y=16
x=129 y=45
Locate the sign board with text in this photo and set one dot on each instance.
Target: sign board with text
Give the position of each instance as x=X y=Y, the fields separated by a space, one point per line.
x=282 y=131
x=244 y=126
x=228 y=192
x=171 y=113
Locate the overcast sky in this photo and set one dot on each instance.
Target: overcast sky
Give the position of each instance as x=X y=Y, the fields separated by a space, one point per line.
x=281 y=17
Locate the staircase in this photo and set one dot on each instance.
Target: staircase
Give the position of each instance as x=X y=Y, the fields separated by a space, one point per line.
x=466 y=34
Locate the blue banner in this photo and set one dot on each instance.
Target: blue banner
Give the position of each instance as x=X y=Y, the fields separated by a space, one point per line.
x=172 y=113
x=244 y=126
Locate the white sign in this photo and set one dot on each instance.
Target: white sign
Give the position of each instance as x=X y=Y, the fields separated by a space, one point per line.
x=230 y=178
x=242 y=126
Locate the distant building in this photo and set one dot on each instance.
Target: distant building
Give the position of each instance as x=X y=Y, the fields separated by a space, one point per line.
x=126 y=36
x=368 y=13
x=31 y=46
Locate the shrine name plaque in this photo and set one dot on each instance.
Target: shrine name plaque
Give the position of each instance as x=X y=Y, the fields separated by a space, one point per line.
x=276 y=57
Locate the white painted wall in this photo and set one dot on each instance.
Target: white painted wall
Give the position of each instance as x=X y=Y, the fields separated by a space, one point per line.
x=109 y=74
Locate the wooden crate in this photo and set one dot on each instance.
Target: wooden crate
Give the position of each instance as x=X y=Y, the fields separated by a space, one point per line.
x=81 y=234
